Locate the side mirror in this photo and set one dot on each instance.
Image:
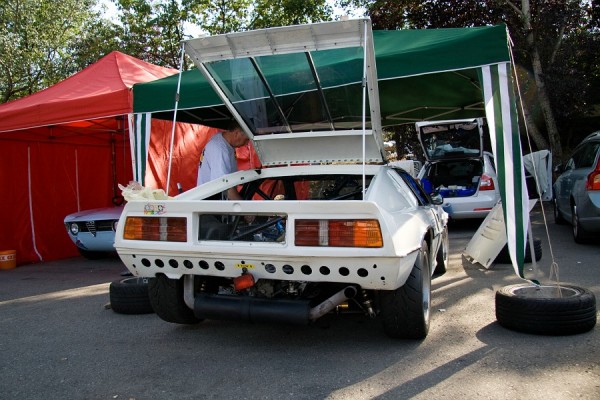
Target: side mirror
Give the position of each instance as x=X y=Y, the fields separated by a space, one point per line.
x=437 y=199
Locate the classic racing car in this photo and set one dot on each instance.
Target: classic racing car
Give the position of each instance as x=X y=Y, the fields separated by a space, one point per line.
x=324 y=225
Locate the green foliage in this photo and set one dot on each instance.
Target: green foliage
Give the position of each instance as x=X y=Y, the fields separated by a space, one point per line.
x=152 y=30
x=37 y=38
x=269 y=13
x=219 y=16
x=564 y=34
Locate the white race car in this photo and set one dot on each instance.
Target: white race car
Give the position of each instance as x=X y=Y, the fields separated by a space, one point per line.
x=325 y=225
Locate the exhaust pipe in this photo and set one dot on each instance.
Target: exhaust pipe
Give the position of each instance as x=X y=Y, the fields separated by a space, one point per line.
x=252 y=309
x=332 y=302
x=257 y=309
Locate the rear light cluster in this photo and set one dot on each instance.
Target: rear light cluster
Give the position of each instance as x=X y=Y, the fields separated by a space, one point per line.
x=486 y=183
x=338 y=233
x=164 y=229
x=593 y=180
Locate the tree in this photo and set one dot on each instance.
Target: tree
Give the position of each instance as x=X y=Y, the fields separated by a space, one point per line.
x=219 y=16
x=554 y=44
x=36 y=40
x=152 y=31
x=269 y=13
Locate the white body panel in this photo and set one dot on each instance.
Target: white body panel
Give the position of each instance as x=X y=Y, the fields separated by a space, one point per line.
x=403 y=222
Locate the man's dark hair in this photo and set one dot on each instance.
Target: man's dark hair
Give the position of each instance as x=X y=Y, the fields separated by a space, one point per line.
x=232 y=125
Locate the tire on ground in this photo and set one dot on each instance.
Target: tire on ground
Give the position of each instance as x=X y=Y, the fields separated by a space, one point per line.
x=130 y=296
x=166 y=297
x=94 y=255
x=558 y=218
x=504 y=257
x=545 y=310
x=405 y=312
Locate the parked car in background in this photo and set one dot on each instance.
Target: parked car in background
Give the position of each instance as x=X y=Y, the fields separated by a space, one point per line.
x=458 y=168
x=577 y=189
x=93 y=231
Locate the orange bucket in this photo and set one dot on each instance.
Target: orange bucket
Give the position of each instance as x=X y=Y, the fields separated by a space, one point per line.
x=8 y=259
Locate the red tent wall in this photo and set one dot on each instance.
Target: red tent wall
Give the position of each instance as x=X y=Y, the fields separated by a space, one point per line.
x=56 y=153
x=56 y=179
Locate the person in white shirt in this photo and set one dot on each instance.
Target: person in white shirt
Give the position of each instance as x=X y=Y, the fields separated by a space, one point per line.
x=218 y=157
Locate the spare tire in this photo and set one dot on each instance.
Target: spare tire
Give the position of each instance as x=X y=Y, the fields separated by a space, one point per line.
x=546 y=309
x=504 y=256
x=130 y=296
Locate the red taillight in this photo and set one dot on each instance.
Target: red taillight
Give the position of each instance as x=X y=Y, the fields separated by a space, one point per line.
x=164 y=229
x=593 y=179
x=486 y=183
x=338 y=233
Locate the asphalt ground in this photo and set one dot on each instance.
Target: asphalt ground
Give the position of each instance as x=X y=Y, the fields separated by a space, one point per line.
x=59 y=341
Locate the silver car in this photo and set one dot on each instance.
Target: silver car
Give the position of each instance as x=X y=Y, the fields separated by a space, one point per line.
x=577 y=189
x=93 y=231
x=457 y=167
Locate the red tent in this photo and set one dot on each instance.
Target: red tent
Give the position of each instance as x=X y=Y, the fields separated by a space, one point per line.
x=64 y=149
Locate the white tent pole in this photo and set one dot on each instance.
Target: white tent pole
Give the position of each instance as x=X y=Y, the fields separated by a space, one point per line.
x=77 y=180
x=364 y=109
x=31 y=221
x=175 y=118
x=132 y=145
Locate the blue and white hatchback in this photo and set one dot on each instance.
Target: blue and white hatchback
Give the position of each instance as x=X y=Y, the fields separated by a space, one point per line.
x=457 y=167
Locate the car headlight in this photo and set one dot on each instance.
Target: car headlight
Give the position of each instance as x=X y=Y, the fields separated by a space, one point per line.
x=74 y=228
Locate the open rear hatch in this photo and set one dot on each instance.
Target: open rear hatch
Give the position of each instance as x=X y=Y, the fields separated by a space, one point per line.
x=454 y=150
x=287 y=91
x=442 y=140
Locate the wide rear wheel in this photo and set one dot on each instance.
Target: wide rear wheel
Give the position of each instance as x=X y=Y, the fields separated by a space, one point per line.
x=443 y=253
x=405 y=312
x=166 y=297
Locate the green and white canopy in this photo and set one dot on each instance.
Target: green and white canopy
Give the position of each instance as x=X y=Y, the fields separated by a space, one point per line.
x=437 y=74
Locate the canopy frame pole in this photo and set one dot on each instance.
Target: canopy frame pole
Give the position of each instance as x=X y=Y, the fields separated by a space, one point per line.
x=315 y=75
x=264 y=81
x=174 y=119
x=364 y=111
x=77 y=181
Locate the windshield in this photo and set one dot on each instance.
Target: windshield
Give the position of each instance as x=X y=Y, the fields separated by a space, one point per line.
x=298 y=92
x=451 y=140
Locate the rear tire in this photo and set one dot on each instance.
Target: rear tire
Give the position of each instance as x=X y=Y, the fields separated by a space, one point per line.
x=166 y=297
x=558 y=218
x=94 y=255
x=442 y=254
x=405 y=312
x=579 y=234
x=545 y=310
x=130 y=296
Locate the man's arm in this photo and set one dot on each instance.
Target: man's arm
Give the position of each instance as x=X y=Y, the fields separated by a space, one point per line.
x=232 y=194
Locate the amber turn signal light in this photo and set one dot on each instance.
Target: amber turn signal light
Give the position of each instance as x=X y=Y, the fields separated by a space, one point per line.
x=338 y=233
x=163 y=229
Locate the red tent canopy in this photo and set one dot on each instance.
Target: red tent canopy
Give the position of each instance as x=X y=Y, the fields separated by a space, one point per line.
x=64 y=149
x=103 y=89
